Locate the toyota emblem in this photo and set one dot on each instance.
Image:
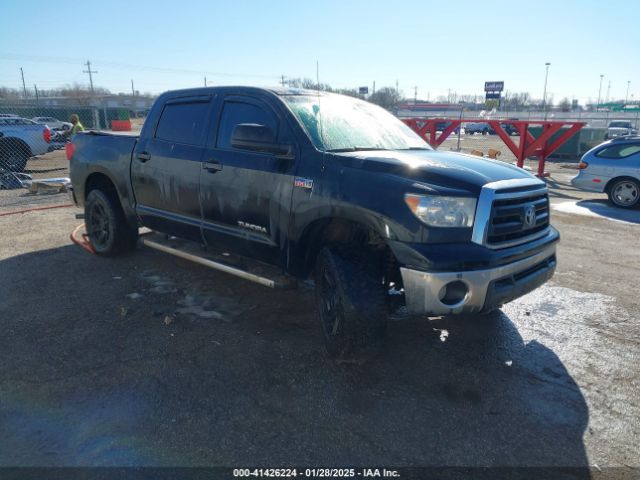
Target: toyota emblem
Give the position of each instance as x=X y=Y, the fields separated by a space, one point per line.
x=529 y=216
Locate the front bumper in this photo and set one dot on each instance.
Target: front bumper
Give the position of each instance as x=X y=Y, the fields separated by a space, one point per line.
x=485 y=289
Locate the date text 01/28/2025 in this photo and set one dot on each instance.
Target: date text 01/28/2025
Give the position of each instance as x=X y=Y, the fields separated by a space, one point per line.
x=315 y=473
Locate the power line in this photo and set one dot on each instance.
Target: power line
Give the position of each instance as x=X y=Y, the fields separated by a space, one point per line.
x=128 y=66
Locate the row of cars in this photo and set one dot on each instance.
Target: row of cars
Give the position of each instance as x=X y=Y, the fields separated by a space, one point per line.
x=482 y=128
x=23 y=138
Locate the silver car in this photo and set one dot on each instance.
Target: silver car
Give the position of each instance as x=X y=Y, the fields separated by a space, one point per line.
x=613 y=168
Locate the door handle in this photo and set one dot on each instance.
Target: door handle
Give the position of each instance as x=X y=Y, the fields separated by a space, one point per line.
x=143 y=157
x=212 y=166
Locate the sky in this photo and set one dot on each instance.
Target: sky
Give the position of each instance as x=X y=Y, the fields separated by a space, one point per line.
x=435 y=46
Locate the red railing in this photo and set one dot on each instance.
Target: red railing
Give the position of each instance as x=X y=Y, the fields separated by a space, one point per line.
x=528 y=145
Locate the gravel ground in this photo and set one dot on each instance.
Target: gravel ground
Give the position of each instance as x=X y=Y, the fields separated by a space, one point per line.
x=150 y=360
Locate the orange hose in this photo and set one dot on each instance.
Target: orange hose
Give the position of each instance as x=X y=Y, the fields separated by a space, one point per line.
x=85 y=242
x=36 y=208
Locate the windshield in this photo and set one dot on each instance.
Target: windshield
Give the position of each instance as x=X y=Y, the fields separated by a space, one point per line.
x=620 y=124
x=349 y=124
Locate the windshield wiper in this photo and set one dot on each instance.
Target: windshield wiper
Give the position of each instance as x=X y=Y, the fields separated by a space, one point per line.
x=354 y=149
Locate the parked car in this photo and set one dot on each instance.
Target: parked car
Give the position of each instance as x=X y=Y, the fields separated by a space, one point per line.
x=441 y=126
x=53 y=123
x=619 y=128
x=477 y=127
x=21 y=139
x=319 y=186
x=612 y=167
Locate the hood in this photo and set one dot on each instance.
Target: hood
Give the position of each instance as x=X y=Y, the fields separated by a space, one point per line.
x=439 y=169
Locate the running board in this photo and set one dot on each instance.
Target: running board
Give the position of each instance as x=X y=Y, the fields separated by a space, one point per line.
x=245 y=268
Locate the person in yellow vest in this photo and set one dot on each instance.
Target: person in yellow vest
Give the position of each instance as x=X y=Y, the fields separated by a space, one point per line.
x=77 y=126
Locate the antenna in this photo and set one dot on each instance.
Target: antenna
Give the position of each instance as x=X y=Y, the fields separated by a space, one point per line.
x=320 y=112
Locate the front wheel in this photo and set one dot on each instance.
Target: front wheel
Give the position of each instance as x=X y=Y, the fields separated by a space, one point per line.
x=625 y=193
x=351 y=304
x=108 y=230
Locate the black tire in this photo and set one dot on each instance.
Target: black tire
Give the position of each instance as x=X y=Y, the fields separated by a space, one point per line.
x=14 y=155
x=351 y=303
x=624 y=192
x=108 y=230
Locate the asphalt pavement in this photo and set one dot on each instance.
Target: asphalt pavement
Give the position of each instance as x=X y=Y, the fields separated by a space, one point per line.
x=148 y=360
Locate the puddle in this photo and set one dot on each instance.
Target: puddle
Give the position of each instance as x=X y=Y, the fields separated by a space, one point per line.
x=599 y=209
x=209 y=306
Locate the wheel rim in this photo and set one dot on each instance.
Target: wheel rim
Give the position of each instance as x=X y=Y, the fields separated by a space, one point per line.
x=100 y=232
x=13 y=161
x=330 y=305
x=625 y=193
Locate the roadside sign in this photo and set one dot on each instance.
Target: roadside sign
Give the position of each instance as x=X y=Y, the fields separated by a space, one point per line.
x=363 y=90
x=490 y=95
x=493 y=86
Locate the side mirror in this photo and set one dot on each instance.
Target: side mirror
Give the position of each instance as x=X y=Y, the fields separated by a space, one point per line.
x=258 y=138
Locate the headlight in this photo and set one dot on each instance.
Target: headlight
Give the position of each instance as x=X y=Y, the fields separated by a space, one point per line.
x=437 y=211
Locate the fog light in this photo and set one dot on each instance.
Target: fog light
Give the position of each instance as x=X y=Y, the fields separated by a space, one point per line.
x=453 y=293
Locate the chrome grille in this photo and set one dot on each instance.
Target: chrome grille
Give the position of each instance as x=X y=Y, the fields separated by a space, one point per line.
x=508 y=218
x=511 y=212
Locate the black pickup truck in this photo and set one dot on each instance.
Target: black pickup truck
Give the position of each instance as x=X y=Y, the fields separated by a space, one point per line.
x=327 y=187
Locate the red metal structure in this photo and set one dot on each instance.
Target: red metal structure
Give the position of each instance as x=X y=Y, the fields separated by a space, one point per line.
x=528 y=145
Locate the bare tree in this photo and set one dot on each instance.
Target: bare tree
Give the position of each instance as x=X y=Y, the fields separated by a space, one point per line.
x=386 y=97
x=10 y=94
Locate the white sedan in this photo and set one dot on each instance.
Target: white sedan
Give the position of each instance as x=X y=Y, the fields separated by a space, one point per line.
x=53 y=123
x=613 y=168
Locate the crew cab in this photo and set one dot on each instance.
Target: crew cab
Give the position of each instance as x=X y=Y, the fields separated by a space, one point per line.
x=321 y=186
x=20 y=139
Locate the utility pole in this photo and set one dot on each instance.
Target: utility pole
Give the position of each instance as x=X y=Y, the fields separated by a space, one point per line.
x=599 y=92
x=282 y=81
x=24 y=86
x=415 y=95
x=374 y=86
x=626 y=98
x=205 y=81
x=544 y=94
x=35 y=87
x=397 y=91
x=90 y=72
x=133 y=91
x=608 y=91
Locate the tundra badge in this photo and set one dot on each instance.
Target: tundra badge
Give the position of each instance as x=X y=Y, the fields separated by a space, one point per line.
x=250 y=226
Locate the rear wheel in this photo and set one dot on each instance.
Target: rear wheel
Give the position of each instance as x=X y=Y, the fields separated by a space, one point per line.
x=351 y=304
x=13 y=155
x=624 y=193
x=108 y=230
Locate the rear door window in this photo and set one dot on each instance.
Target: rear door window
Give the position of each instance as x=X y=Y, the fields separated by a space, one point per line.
x=618 y=151
x=183 y=123
x=236 y=112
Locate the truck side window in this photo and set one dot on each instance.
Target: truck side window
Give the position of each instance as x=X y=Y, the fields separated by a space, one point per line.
x=183 y=122
x=235 y=113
